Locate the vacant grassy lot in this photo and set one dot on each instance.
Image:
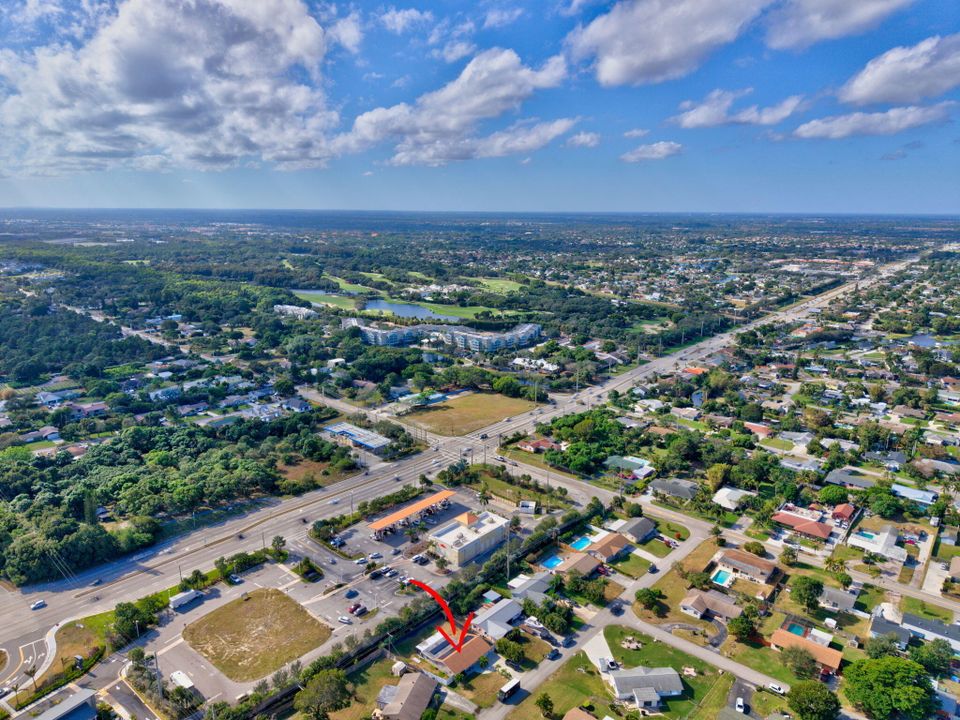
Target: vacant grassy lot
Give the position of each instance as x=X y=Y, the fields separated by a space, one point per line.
x=466 y=413
x=251 y=637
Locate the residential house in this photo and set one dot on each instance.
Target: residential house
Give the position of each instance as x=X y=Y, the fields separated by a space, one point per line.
x=495 y=621
x=880 y=626
x=759 y=429
x=803 y=521
x=920 y=497
x=609 y=547
x=837 y=600
x=731 y=498
x=580 y=563
x=674 y=487
x=408 y=699
x=534 y=587
x=747 y=565
x=883 y=542
x=80 y=411
x=929 y=629
x=645 y=686
x=449 y=661
x=843 y=513
x=638 y=530
x=826 y=657
x=849 y=478
x=537 y=446
x=704 y=605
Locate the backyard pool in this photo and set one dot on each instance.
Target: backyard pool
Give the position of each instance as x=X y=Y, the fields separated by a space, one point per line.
x=865 y=534
x=580 y=543
x=551 y=562
x=721 y=577
x=795 y=629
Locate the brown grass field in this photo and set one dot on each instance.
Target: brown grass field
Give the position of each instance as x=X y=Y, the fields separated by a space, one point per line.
x=467 y=413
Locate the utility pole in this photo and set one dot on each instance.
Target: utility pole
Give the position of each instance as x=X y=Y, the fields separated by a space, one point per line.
x=156 y=665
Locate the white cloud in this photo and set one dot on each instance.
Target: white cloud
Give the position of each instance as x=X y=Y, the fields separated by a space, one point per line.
x=907 y=74
x=455 y=50
x=575 y=6
x=164 y=83
x=584 y=139
x=650 y=41
x=655 y=151
x=399 y=21
x=799 y=23
x=636 y=133
x=714 y=110
x=346 y=32
x=501 y=17
x=890 y=122
x=441 y=126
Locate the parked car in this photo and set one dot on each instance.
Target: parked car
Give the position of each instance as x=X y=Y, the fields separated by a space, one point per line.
x=353 y=608
x=396 y=551
x=652 y=568
x=235 y=579
x=616 y=609
x=4 y=692
x=376 y=556
x=351 y=593
x=741 y=707
x=553 y=654
x=362 y=610
x=568 y=641
x=345 y=620
x=778 y=689
x=360 y=561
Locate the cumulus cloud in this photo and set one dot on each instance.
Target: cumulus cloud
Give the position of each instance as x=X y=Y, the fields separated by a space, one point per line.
x=584 y=139
x=636 y=133
x=399 y=21
x=441 y=126
x=892 y=121
x=714 y=110
x=455 y=50
x=907 y=74
x=799 y=23
x=346 y=32
x=650 y=41
x=202 y=84
x=654 y=151
x=501 y=17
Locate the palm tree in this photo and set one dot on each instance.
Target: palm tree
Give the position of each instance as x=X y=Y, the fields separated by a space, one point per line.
x=483 y=497
x=32 y=674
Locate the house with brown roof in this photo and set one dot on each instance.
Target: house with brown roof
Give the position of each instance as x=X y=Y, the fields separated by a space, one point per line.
x=708 y=604
x=610 y=547
x=827 y=658
x=537 y=446
x=747 y=565
x=448 y=661
x=581 y=563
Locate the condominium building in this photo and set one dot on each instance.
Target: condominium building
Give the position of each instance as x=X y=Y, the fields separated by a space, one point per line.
x=468 y=536
x=464 y=338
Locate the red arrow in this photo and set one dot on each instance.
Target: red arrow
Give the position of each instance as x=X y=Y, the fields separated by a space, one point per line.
x=458 y=643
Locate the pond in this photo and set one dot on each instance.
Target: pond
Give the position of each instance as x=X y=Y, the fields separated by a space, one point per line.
x=407 y=310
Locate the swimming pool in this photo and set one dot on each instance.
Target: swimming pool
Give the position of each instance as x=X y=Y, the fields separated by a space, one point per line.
x=581 y=543
x=795 y=629
x=551 y=562
x=721 y=577
x=865 y=534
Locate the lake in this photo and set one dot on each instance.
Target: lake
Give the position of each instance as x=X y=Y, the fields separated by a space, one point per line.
x=406 y=310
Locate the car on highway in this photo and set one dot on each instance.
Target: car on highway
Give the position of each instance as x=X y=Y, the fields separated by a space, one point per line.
x=334 y=501
x=38 y=604
x=350 y=593
x=483 y=436
x=345 y=620
x=397 y=478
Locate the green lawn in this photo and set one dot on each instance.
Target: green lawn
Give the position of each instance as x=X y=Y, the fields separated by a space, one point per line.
x=633 y=565
x=501 y=286
x=341 y=301
x=468 y=312
x=349 y=286
x=760 y=658
x=944 y=552
x=926 y=610
x=366 y=684
x=870 y=597
x=715 y=699
x=655 y=547
x=575 y=683
x=777 y=443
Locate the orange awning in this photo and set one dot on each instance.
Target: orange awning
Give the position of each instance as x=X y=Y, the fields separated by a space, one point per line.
x=419 y=506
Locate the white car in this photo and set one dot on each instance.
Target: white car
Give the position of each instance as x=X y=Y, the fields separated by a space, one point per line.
x=376 y=556
x=333 y=502
x=778 y=689
x=38 y=604
x=740 y=706
x=345 y=620
x=360 y=561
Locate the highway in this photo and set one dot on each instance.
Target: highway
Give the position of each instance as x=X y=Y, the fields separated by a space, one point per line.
x=23 y=631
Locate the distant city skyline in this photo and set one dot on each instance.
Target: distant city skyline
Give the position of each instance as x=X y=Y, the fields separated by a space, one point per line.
x=735 y=106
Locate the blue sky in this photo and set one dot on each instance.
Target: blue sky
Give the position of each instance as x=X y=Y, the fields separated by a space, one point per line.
x=630 y=105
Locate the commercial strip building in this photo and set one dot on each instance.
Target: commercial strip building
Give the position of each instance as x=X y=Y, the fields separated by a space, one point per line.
x=468 y=536
x=461 y=336
x=414 y=510
x=348 y=434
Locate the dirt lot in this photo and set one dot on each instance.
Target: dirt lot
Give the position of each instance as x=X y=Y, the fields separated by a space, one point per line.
x=467 y=413
x=251 y=637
